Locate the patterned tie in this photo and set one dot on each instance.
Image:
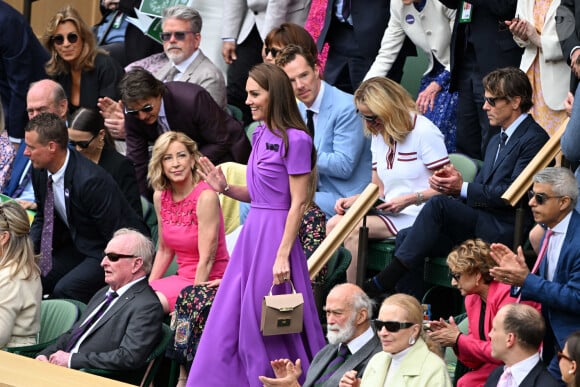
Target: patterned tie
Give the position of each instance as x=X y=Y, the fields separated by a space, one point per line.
x=82 y=329
x=47 y=230
x=310 y=121
x=171 y=74
x=506 y=379
x=343 y=354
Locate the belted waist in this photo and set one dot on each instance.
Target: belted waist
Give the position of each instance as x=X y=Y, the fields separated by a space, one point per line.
x=270 y=206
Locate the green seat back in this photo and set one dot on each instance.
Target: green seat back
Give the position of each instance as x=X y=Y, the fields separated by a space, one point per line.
x=465 y=165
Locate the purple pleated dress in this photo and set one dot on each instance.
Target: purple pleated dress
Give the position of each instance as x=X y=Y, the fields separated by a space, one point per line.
x=232 y=350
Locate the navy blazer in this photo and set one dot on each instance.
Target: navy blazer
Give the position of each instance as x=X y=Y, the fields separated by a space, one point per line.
x=538 y=377
x=123 y=171
x=560 y=298
x=95 y=208
x=124 y=336
x=18 y=166
x=496 y=221
x=494 y=45
x=190 y=109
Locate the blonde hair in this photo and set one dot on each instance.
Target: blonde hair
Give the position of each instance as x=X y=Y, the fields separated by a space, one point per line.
x=18 y=253
x=56 y=65
x=414 y=312
x=155 y=176
x=472 y=256
x=391 y=103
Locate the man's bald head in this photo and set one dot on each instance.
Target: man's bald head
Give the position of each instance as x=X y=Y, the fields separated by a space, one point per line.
x=46 y=96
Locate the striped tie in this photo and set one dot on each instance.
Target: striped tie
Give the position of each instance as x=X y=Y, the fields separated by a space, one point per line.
x=343 y=354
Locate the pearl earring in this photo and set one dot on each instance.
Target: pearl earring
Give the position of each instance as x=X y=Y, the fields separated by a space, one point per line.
x=412 y=340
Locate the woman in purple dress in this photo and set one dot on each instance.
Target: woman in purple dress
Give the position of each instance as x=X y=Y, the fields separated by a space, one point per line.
x=232 y=351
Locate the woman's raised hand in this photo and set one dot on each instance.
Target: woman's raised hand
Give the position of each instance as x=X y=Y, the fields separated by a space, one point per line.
x=211 y=174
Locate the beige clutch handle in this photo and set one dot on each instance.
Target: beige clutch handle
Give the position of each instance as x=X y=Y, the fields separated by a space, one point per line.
x=291 y=284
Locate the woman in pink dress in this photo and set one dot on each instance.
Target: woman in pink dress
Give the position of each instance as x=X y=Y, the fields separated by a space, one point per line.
x=191 y=225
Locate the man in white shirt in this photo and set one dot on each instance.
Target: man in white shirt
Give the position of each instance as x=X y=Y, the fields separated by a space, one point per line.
x=516 y=336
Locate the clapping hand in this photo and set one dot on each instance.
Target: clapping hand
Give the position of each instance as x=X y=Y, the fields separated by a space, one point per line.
x=287 y=374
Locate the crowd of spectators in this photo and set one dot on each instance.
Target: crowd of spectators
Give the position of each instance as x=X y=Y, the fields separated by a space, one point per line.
x=101 y=127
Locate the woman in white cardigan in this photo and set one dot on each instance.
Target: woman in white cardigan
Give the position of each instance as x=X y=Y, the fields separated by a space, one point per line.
x=406 y=359
x=535 y=29
x=429 y=25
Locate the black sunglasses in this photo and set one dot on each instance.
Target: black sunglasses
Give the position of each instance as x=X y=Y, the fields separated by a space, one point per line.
x=561 y=356
x=391 y=326
x=114 y=257
x=541 y=198
x=72 y=38
x=492 y=100
x=455 y=275
x=145 y=109
x=273 y=51
x=179 y=35
x=369 y=119
x=82 y=144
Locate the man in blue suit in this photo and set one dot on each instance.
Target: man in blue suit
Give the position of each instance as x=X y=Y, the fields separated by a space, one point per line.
x=554 y=281
x=344 y=156
x=468 y=210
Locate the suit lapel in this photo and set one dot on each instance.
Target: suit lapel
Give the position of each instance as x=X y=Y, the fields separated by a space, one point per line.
x=193 y=66
x=567 y=245
x=511 y=143
x=324 y=361
x=119 y=305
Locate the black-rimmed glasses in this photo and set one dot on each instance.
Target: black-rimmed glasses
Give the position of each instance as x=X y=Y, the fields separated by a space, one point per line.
x=455 y=275
x=391 y=326
x=58 y=39
x=369 y=119
x=179 y=35
x=82 y=144
x=541 y=198
x=561 y=356
x=145 y=109
x=272 y=50
x=492 y=100
x=114 y=257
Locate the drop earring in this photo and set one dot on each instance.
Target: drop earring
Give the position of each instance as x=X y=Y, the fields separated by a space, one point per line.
x=412 y=340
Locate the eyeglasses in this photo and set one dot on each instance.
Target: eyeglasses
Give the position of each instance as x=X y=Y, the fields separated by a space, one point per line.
x=492 y=100
x=145 y=109
x=82 y=144
x=561 y=356
x=72 y=38
x=369 y=119
x=455 y=275
x=541 y=198
x=114 y=257
x=391 y=326
x=179 y=35
x=271 y=50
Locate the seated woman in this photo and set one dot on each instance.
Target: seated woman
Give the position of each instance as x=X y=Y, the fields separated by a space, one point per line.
x=20 y=286
x=407 y=359
x=569 y=360
x=406 y=149
x=75 y=60
x=191 y=227
x=470 y=264
x=88 y=134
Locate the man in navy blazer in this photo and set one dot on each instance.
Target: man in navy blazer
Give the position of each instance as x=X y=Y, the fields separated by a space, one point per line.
x=480 y=44
x=343 y=151
x=152 y=107
x=516 y=338
x=556 y=282
x=480 y=211
x=128 y=330
x=88 y=208
x=354 y=43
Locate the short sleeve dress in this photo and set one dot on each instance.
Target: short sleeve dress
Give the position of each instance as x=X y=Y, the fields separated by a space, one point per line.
x=179 y=221
x=232 y=350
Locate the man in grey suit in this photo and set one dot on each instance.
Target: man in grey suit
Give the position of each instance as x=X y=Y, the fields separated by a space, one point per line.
x=129 y=327
x=516 y=335
x=181 y=38
x=348 y=312
x=344 y=154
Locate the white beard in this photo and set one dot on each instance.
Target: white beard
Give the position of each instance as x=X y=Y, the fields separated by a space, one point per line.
x=344 y=334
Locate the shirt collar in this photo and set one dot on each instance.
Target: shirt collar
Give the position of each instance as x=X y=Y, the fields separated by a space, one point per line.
x=182 y=67
x=562 y=227
x=318 y=100
x=123 y=289
x=522 y=368
x=358 y=342
x=512 y=128
x=58 y=176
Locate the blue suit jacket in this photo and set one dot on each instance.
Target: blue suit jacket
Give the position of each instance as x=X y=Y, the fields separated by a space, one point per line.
x=18 y=166
x=344 y=156
x=560 y=297
x=496 y=221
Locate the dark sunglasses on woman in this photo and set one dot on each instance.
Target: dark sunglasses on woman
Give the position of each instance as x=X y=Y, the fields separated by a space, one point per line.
x=59 y=39
x=82 y=144
x=391 y=326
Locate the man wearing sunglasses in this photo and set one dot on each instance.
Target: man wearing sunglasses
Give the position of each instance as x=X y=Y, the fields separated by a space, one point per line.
x=187 y=63
x=79 y=208
x=344 y=152
x=348 y=312
x=554 y=280
x=476 y=209
x=152 y=107
x=128 y=314
x=516 y=339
